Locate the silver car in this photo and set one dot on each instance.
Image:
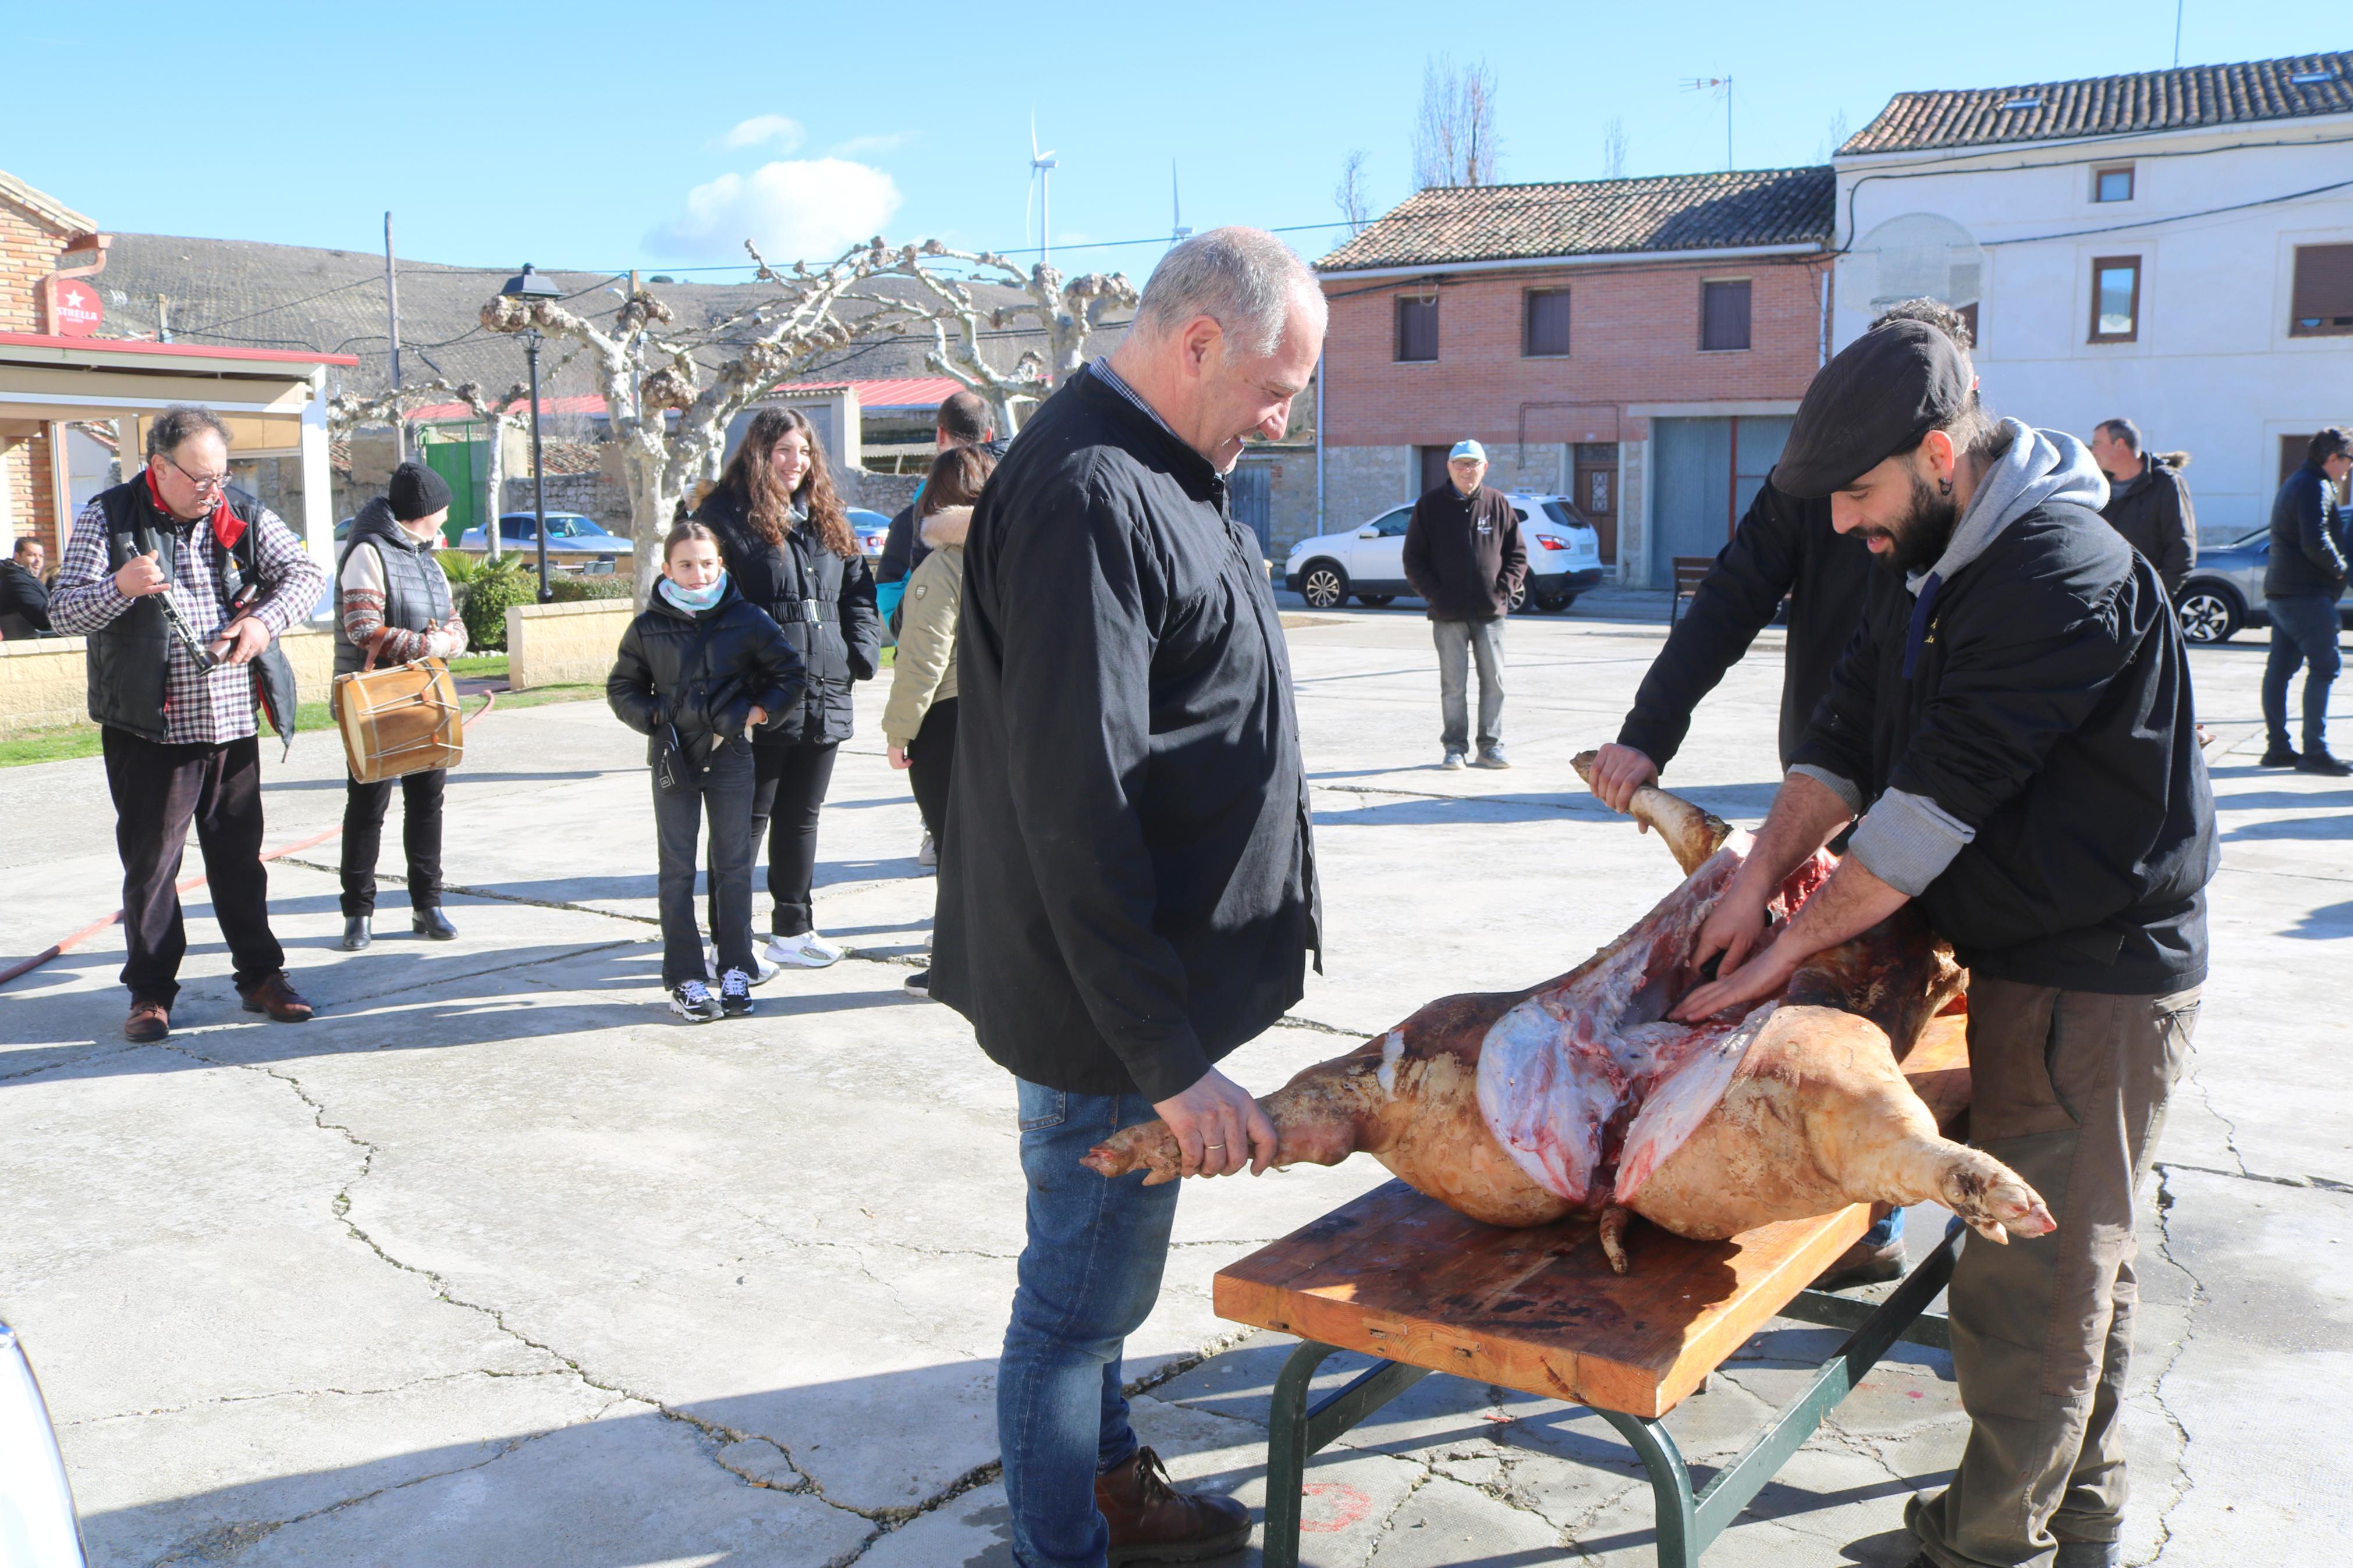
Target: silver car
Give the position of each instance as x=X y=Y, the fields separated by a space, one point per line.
x=2225 y=592
x=577 y=542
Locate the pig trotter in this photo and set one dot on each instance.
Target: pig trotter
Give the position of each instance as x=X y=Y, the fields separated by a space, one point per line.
x=1149 y=1147
x=1614 y=1220
x=1992 y=1200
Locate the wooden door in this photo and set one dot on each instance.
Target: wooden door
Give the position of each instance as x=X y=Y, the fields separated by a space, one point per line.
x=1597 y=498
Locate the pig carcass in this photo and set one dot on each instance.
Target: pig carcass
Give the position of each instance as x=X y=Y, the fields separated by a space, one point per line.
x=1580 y=1094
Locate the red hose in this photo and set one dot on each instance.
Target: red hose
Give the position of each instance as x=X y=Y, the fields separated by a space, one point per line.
x=25 y=966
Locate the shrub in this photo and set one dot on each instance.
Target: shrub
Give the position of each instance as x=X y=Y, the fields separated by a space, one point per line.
x=571 y=588
x=490 y=589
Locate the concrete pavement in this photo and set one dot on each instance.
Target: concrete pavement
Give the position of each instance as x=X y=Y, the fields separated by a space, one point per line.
x=496 y=1263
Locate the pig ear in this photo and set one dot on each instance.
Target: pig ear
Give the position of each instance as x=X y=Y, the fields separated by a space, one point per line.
x=1692 y=834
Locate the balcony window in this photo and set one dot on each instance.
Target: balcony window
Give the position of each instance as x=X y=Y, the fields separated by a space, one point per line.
x=2116 y=300
x=1417 y=329
x=1724 y=316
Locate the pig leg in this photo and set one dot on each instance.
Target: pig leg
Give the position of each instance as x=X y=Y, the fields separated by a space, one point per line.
x=1615 y=1218
x=1690 y=833
x=1320 y=1118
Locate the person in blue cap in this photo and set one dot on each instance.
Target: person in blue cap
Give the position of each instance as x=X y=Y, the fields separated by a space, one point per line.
x=1464 y=558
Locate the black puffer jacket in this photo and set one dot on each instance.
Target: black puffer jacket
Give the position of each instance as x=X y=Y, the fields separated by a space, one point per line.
x=702 y=672
x=826 y=606
x=2308 y=537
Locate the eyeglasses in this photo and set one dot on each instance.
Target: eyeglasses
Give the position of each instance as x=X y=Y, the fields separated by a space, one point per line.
x=202 y=482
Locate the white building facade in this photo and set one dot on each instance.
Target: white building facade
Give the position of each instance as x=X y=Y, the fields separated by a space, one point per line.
x=2175 y=248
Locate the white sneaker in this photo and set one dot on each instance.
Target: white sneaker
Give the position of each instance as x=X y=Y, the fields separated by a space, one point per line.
x=1453 y=763
x=929 y=854
x=806 y=951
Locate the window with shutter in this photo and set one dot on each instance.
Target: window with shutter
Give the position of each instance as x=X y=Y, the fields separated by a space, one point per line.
x=1724 y=316
x=1545 y=330
x=1417 y=329
x=2323 y=297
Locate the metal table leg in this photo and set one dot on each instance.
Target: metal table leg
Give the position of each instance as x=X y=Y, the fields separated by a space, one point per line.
x=1671 y=1489
x=1295 y=1432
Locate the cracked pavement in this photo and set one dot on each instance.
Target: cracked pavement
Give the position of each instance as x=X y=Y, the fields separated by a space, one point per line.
x=497 y=1263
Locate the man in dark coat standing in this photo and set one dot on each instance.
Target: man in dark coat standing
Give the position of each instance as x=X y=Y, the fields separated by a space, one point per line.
x=2301 y=583
x=1464 y=557
x=24 y=597
x=2148 y=502
x=2010 y=734
x=1128 y=889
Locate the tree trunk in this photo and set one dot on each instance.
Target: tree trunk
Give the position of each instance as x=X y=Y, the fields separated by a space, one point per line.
x=653 y=499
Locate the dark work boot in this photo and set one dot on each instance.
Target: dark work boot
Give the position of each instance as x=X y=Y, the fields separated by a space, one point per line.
x=2278 y=754
x=432 y=924
x=2318 y=760
x=357 y=932
x=1152 y=1522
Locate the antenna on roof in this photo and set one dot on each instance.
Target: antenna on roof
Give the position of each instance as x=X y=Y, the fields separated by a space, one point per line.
x=1178 y=229
x=1722 y=86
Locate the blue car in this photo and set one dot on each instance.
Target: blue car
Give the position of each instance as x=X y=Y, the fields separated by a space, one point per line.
x=2225 y=592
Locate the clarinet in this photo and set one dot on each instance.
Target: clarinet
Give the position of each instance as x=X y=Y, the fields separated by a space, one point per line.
x=202 y=656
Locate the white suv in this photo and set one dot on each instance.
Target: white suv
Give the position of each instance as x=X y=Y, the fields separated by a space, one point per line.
x=1564 y=558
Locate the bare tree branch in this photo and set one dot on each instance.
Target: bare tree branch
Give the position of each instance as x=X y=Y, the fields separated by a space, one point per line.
x=1454 y=139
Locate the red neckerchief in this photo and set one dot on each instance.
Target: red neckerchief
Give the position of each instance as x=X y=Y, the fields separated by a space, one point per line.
x=228 y=527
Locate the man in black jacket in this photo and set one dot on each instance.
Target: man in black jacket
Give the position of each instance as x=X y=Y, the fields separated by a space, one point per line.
x=1129 y=890
x=2148 y=502
x=962 y=421
x=1464 y=557
x=2013 y=726
x=2301 y=586
x=24 y=597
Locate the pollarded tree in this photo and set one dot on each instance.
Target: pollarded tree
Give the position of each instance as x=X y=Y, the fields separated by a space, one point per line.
x=1067 y=312
x=668 y=404
x=347 y=413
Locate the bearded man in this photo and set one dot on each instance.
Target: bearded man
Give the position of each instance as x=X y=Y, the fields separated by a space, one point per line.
x=2013 y=727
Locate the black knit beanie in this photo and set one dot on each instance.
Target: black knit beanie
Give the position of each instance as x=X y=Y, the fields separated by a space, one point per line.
x=417 y=491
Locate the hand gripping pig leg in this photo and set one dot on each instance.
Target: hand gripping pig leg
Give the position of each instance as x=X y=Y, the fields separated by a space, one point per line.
x=1320 y=1118
x=1692 y=834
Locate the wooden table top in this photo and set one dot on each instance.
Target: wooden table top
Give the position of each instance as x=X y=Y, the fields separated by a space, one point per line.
x=1402 y=1277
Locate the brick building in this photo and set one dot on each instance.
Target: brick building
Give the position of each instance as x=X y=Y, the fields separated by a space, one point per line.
x=1638 y=344
x=35 y=228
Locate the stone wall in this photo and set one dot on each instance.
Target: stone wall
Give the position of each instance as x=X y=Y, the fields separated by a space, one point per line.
x=560 y=644
x=43 y=683
x=1362 y=482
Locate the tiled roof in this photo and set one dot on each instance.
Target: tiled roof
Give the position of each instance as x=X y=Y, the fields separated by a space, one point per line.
x=1596 y=217
x=44 y=206
x=2179 y=100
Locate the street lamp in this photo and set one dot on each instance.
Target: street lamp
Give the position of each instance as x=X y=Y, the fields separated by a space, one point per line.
x=531 y=286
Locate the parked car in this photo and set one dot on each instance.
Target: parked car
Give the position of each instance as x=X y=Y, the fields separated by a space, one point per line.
x=575 y=541
x=2225 y=592
x=1368 y=563
x=873 y=530
x=37 y=1524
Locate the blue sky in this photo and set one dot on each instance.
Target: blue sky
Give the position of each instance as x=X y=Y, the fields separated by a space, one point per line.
x=652 y=135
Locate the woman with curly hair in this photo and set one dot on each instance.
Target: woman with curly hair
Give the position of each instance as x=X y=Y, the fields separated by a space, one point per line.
x=789 y=550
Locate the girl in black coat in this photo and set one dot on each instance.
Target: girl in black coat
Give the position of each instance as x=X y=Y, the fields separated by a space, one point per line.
x=789 y=550
x=698 y=673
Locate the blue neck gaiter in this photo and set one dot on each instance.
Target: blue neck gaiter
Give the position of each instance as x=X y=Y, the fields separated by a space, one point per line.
x=694 y=601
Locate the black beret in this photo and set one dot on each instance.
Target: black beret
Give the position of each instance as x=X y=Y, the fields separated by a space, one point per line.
x=1879 y=396
x=417 y=491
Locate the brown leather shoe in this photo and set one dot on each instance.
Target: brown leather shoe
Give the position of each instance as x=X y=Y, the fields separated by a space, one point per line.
x=1864 y=1264
x=148 y=1022
x=1152 y=1522
x=277 y=997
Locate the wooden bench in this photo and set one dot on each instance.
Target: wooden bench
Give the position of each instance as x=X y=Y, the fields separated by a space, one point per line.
x=1690 y=571
x=1402 y=1278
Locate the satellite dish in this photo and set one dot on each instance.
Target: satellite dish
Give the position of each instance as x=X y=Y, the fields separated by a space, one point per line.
x=1915 y=256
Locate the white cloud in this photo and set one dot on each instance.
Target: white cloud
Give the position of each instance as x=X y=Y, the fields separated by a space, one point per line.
x=887 y=142
x=810 y=209
x=764 y=130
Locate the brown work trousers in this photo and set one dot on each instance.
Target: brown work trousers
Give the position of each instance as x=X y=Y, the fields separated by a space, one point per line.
x=2068 y=1089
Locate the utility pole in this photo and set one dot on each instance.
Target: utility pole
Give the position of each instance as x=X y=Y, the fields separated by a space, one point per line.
x=391 y=307
x=2176 y=34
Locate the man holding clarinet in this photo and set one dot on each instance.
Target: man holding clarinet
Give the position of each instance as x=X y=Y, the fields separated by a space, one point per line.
x=182 y=588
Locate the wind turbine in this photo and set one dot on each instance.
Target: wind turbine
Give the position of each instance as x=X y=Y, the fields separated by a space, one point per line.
x=1178 y=229
x=1041 y=167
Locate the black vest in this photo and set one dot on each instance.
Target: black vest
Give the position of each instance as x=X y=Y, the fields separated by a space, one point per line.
x=415 y=589
x=128 y=657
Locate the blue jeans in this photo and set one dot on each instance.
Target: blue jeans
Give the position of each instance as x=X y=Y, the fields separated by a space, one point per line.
x=2303 y=631
x=1089 y=1274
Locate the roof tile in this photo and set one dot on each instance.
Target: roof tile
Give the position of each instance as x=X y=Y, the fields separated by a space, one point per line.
x=1596 y=217
x=2185 y=98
